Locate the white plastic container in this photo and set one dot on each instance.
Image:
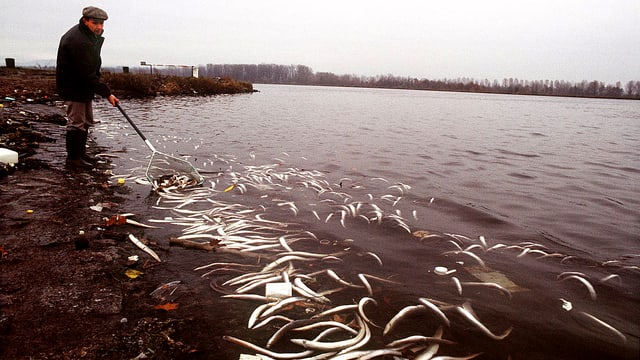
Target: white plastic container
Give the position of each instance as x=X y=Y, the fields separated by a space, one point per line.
x=8 y=156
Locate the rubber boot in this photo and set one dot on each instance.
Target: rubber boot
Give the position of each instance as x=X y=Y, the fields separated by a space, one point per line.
x=75 y=147
x=83 y=153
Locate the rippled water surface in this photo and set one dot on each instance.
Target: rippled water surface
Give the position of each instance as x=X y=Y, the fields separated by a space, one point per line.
x=556 y=175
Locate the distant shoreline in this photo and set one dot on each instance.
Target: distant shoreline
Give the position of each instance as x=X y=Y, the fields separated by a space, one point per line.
x=163 y=82
x=304 y=75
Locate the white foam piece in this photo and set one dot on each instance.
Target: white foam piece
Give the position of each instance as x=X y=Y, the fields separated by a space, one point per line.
x=278 y=290
x=8 y=156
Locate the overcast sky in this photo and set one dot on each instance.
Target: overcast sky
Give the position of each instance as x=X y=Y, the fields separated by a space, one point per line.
x=571 y=40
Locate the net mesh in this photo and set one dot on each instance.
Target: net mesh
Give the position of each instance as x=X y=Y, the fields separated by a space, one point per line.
x=169 y=172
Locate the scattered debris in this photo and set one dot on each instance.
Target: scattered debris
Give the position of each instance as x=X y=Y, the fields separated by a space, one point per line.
x=189 y=244
x=167 y=306
x=132 y=273
x=144 y=247
x=492 y=276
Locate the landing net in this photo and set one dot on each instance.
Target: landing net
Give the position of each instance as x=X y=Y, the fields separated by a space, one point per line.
x=169 y=172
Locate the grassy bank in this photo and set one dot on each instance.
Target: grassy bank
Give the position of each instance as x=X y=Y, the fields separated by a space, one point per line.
x=38 y=85
x=142 y=85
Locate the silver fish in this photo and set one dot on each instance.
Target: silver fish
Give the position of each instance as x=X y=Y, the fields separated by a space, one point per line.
x=466 y=311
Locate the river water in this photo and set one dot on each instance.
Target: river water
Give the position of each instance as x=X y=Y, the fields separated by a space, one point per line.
x=544 y=191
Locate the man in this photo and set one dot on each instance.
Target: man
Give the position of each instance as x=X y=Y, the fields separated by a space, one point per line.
x=78 y=79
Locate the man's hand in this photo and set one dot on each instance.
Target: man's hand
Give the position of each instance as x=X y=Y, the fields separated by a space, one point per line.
x=113 y=100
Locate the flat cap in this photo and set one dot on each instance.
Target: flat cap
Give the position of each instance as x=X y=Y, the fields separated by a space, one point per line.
x=93 y=12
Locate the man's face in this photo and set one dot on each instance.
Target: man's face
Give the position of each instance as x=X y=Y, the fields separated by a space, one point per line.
x=95 y=25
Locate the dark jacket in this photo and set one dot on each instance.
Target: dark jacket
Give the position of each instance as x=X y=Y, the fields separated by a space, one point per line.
x=78 y=65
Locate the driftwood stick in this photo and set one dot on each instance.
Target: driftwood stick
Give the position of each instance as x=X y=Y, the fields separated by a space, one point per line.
x=192 y=244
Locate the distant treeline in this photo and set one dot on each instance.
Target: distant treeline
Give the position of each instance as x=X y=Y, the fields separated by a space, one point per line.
x=304 y=75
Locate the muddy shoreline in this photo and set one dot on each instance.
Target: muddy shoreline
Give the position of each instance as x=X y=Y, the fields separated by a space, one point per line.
x=64 y=288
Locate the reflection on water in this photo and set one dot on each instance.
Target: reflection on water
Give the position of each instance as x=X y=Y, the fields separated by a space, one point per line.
x=550 y=184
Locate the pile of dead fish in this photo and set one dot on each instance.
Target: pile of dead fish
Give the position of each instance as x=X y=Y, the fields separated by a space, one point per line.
x=311 y=306
x=173 y=182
